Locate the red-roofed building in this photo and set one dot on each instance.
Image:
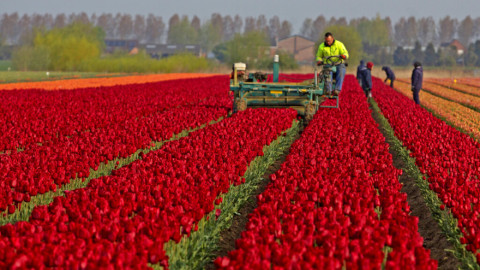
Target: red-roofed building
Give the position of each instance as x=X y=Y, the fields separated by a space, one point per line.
x=300 y=47
x=457 y=45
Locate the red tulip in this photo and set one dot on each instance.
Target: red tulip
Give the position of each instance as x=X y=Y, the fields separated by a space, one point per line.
x=143 y=205
x=319 y=209
x=448 y=157
x=79 y=129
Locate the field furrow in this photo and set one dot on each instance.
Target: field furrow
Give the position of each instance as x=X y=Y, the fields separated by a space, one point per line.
x=43 y=168
x=458 y=115
x=335 y=203
x=126 y=218
x=449 y=159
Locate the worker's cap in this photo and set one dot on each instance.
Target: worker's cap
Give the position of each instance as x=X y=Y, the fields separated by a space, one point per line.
x=369 y=65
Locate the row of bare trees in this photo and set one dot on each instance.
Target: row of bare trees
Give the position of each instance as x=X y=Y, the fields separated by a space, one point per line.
x=17 y=29
x=406 y=31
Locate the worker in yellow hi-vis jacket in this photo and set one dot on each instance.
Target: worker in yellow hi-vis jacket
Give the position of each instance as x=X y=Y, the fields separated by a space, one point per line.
x=329 y=48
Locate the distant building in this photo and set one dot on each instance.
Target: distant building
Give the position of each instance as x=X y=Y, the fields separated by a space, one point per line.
x=165 y=50
x=120 y=44
x=300 y=47
x=410 y=48
x=132 y=46
x=455 y=44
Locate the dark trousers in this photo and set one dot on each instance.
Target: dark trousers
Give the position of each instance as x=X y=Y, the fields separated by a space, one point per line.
x=366 y=91
x=339 y=77
x=416 y=96
x=391 y=82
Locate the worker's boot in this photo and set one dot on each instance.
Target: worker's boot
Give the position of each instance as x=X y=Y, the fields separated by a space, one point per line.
x=336 y=92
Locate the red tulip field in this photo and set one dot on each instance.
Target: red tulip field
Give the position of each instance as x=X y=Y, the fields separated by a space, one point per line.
x=156 y=172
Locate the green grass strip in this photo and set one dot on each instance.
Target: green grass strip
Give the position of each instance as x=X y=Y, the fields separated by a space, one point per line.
x=104 y=169
x=448 y=223
x=196 y=251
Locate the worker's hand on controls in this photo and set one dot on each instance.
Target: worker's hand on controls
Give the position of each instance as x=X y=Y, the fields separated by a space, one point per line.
x=343 y=56
x=319 y=63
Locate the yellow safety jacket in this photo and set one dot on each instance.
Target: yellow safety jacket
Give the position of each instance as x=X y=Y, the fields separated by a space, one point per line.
x=337 y=48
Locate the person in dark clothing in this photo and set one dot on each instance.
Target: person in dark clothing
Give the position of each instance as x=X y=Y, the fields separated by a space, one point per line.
x=390 y=75
x=359 y=69
x=417 y=80
x=365 y=76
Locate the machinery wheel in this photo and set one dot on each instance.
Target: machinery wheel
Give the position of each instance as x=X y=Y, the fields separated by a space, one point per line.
x=240 y=105
x=310 y=111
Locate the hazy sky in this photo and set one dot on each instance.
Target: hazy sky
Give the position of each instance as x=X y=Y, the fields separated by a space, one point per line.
x=293 y=10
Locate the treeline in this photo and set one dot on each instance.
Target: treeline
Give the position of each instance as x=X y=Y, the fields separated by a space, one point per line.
x=429 y=56
x=15 y=28
x=406 y=31
x=79 y=46
x=377 y=39
x=217 y=30
x=409 y=39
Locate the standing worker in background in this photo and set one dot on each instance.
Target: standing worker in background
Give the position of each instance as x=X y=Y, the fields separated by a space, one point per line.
x=390 y=75
x=359 y=70
x=365 y=76
x=417 y=80
x=329 y=48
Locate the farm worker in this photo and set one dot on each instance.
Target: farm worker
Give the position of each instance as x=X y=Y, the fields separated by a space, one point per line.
x=329 y=48
x=390 y=75
x=359 y=69
x=417 y=80
x=366 y=78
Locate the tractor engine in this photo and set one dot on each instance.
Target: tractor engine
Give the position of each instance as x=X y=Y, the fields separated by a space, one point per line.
x=239 y=72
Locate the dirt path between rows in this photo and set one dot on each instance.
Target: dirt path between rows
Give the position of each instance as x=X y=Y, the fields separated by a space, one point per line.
x=229 y=236
x=434 y=239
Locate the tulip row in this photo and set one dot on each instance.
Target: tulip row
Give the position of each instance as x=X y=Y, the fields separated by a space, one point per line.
x=198 y=250
x=44 y=168
x=469 y=89
x=469 y=81
x=455 y=114
x=456 y=256
x=335 y=203
x=123 y=220
x=40 y=170
x=101 y=82
x=29 y=117
x=449 y=158
x=25 y=209
x=453 y=95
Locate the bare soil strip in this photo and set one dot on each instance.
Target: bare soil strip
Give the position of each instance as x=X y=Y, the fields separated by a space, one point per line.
x=230 y=235
x=434 y=238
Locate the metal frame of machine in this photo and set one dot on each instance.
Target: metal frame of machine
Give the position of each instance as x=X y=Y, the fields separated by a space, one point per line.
x=305 y=97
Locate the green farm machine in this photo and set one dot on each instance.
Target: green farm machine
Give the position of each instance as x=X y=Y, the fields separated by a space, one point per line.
x=253 y=90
